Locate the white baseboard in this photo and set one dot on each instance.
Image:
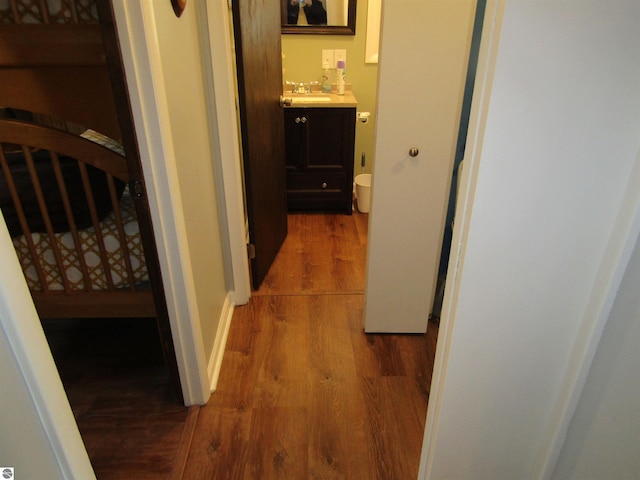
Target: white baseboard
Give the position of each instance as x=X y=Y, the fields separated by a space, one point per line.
x=215 y=358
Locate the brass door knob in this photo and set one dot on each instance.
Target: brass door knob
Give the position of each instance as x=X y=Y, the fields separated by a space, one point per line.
x=285 y=101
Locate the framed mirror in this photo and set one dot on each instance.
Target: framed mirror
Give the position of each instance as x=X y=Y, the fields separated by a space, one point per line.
x=318 y=17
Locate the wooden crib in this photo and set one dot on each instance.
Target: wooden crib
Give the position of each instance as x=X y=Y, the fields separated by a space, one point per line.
x=71 y=185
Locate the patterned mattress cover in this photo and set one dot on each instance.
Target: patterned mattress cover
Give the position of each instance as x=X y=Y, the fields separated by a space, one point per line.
x=91 y=253
x=89 y=247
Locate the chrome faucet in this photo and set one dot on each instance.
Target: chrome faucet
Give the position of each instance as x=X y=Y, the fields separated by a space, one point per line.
x=301 y=88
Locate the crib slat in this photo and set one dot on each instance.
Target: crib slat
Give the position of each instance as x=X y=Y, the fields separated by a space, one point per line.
x=16 y=13
x=74 y=11
x=23 y=223
x=35 y=182
x=122 y=234
x=86 y=278
x=96 y=225
x=44 y=11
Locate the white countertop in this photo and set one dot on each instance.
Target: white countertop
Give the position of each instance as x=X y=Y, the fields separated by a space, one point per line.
x=318 y=99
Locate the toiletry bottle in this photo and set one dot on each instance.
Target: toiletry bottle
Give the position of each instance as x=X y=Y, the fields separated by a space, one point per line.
x=326 y=78
x=340 y=73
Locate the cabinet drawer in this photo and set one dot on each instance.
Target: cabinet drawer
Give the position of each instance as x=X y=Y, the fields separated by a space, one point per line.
x=327 y=183
x=326 y=192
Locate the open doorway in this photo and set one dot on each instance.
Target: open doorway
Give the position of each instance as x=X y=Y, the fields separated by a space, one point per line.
x=299 y=66
x=309 y=381
x=297 y=159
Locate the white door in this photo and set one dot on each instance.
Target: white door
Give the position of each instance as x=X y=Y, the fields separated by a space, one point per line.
x=424 y=50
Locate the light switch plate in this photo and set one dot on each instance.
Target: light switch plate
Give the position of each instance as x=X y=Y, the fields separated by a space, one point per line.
x=340 y=55
x=328 y=57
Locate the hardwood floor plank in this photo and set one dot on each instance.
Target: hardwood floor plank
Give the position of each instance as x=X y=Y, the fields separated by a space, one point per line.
x=362 y=226
x=335 y=405
x=221 y=443
x=331 y=352
x=281 y=379
x=281 y=434
x=184 y=444
x=378 y=355
x=396 y=425
x=323 y=254
x=417 y=352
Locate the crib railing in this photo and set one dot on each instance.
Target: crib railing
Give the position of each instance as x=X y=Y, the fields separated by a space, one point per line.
x=62 y=197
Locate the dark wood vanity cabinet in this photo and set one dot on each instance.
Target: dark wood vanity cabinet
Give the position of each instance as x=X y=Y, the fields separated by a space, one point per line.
x=319 y=153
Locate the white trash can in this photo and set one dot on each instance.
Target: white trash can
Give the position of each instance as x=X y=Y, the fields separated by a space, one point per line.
x=363 y=192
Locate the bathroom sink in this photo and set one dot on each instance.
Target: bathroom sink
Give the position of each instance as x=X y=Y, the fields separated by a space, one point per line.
x=310 y=99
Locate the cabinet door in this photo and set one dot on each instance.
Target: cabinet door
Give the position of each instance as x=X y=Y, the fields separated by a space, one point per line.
x=320 y=143
x=293 y=134
x=329 y=139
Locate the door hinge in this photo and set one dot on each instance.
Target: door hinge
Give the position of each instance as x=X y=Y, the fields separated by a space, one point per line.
x=251 y=251
x=136 y=188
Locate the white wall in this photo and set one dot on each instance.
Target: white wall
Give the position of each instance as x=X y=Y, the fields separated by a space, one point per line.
x=178 y=135
x=604 y=436
x=38 y=434
x=20 y=424
x=556 y=138
x=179 y=46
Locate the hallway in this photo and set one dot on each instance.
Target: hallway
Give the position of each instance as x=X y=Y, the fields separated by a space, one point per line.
x=303 y=392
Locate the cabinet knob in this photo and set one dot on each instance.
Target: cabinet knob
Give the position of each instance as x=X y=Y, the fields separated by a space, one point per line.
x=414 y=152
x=303 y=119
x=297 y=120
x=324 y=184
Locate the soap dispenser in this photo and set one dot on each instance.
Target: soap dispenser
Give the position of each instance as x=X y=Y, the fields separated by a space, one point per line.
x=326 y=78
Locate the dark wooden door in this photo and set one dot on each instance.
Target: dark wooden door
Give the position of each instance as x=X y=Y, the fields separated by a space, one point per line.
x=259 y=65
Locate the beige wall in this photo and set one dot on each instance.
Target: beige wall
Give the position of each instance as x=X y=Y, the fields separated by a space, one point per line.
x=303 y=63
x=186 y=97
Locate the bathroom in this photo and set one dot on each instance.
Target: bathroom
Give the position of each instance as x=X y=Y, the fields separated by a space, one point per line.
x=302 y=62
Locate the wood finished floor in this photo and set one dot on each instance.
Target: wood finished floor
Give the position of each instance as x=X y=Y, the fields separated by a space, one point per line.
x=303 y=392
x=322 y=254
x=114 y=377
